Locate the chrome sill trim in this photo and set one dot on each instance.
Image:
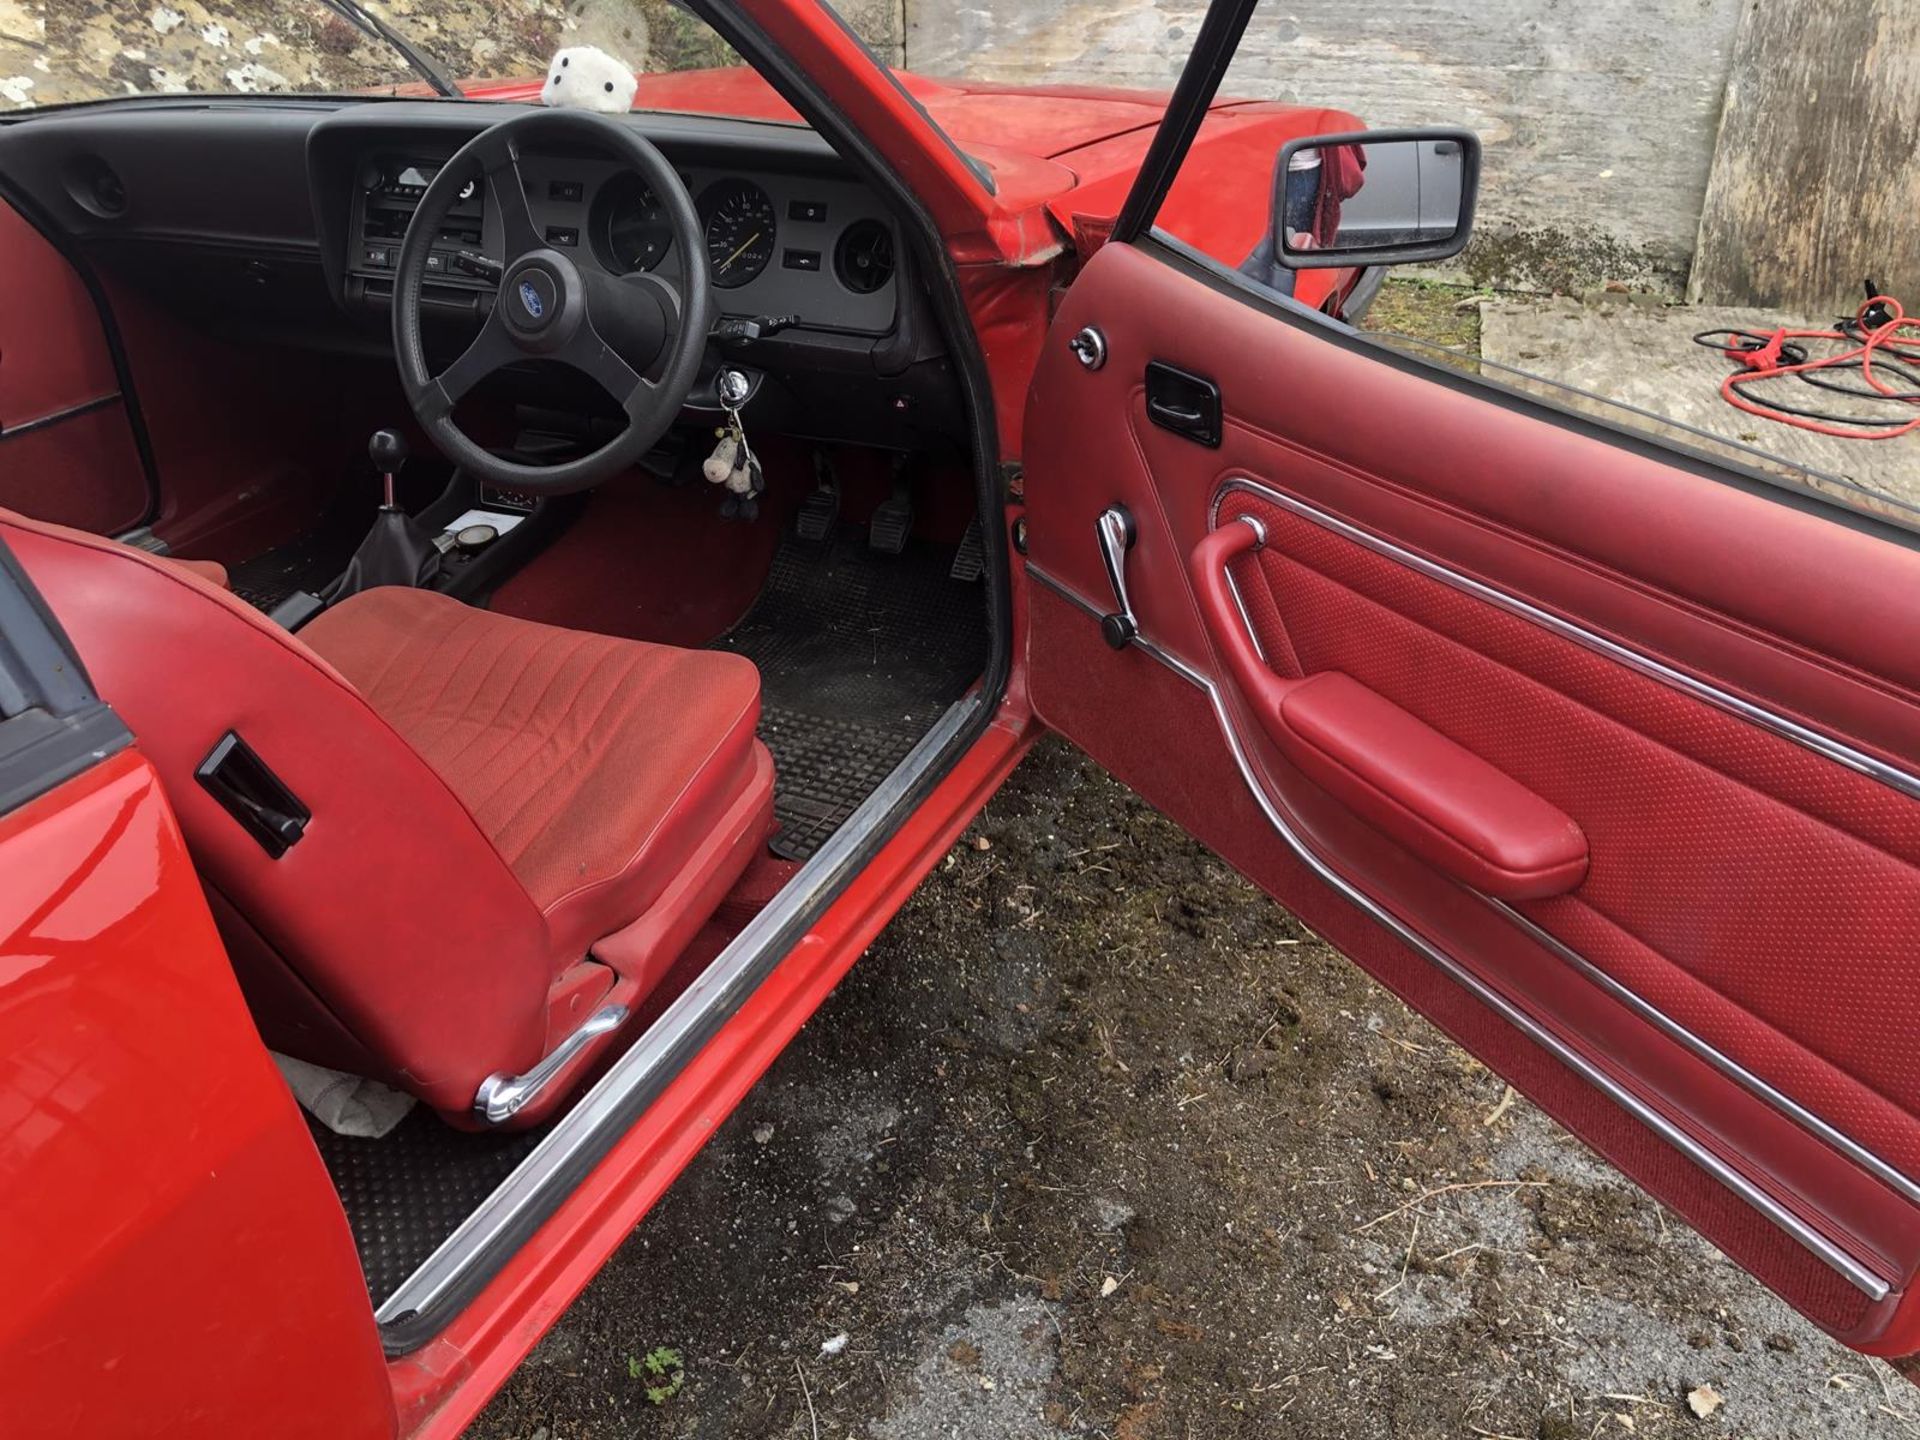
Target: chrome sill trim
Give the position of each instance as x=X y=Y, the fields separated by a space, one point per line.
x=1823 y=745
x=1849 y=1267
x=719 y=991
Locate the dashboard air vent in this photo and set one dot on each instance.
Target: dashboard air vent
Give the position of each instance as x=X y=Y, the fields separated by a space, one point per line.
x=864 y=257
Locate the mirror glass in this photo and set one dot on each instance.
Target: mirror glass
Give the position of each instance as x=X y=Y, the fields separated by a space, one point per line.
x=1371 y=195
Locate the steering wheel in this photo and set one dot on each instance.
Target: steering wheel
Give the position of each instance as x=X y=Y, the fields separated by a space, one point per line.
x=613 y=329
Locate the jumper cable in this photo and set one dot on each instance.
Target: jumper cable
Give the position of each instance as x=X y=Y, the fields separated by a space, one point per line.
x=1883 y=346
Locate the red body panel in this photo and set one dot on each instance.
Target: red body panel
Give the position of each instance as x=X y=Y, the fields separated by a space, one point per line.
x=175 y=1258
x=1063 y=151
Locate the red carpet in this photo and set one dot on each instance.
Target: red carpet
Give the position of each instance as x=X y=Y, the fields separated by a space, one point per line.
x=656 y=562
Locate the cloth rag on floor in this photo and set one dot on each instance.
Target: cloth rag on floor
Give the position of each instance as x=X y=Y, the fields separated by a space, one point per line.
x=345 y=1104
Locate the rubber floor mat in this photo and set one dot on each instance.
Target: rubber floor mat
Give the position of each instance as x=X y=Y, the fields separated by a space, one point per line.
x=309 y=561
x=859 y=654
x=409 y=1190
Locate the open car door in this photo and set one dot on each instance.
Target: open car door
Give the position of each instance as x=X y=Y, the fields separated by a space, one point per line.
x=1603 y=756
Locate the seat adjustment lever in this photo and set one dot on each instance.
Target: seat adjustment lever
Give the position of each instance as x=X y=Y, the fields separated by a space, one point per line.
x=1116 y=533
x=501 y=1097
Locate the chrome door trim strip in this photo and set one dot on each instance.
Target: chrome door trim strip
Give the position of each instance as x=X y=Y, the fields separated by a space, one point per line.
x=1853 y=1270
x=1842 y=1261
x=1140 y=642
x=1705 y=1050
x=719 y=991
x=1821 y=744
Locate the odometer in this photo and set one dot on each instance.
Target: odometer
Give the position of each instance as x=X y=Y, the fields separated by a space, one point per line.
x=740 y=231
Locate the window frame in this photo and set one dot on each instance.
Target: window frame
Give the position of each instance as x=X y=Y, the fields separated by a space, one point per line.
x=53 y=725
x=1215 y=44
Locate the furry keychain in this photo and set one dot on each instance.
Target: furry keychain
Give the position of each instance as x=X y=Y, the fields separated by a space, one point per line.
x=584 y=77
x=718 y=467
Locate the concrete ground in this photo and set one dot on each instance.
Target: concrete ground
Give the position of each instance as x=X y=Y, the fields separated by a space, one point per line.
x=1642 y=354
x=1096 y=1141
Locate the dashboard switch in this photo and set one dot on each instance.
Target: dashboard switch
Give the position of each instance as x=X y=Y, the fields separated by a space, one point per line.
x=562 y=235
x=569 y=190
x=811 y=212
x=802 y=260
x=476 y=264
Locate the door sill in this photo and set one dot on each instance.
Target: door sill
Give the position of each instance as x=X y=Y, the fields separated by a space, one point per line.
x=435 y=1293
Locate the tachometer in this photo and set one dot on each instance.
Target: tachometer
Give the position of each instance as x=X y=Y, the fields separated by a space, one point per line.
x=740 y=230
x=629 y=227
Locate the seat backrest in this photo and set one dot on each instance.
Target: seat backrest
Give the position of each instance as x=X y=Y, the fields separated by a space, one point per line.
x=391 y=939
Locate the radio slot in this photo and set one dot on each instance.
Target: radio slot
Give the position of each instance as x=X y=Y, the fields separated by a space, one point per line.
x=388 y=192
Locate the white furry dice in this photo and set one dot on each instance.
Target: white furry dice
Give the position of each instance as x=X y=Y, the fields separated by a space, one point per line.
x=584 y=77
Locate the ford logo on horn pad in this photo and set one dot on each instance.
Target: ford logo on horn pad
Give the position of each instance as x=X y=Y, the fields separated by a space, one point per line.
x=531 y=301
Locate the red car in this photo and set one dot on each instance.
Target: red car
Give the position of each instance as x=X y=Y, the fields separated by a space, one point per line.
x=768 y=468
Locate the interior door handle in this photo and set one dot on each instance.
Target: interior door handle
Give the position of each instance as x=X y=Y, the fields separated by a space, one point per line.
x=1456 y=811
x=1186 y=404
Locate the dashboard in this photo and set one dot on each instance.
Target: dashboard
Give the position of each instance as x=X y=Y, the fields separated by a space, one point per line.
x=278 y=221
x=810 y=246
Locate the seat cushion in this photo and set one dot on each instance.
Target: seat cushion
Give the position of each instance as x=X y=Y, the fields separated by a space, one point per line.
x=595 y=764
x=211 y=571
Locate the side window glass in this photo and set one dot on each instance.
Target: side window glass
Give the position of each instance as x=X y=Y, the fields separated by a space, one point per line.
x=1635 y=252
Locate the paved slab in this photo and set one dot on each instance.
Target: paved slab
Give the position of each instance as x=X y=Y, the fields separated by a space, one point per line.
x=1643 y=355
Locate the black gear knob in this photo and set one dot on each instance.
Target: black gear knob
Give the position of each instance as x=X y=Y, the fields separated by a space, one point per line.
x=388 y=451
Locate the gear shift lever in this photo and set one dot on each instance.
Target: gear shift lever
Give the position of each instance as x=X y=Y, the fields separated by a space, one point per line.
x=388 y=451
x=397 y=550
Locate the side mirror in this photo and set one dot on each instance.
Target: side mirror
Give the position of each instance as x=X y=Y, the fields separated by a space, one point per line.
x=1374 y=197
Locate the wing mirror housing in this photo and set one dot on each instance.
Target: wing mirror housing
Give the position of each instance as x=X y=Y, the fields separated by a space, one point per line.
x=1374 y=197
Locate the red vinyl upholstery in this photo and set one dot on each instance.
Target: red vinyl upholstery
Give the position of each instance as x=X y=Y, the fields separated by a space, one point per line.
x=211 y=571
x=553 y=740
x=1757 y=894
x=491 y=799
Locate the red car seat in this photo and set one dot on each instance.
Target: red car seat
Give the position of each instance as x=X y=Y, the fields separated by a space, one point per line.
x=512 y=829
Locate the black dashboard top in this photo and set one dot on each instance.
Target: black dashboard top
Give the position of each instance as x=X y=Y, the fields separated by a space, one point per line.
x=262 y=218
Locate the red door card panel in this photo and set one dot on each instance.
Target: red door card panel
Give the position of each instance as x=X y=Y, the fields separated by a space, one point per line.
x=176 y=1261
x=1588 y=754
x=66 y=448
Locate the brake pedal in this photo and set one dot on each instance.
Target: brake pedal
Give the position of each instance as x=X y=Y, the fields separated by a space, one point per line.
x=892 y=521
x=819 y=514
x=970 y=560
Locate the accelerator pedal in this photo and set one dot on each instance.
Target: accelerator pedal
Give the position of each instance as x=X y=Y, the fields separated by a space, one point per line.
x=970 y=560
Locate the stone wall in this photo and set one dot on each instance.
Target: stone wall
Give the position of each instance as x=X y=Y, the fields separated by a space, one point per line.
x=1599 y=119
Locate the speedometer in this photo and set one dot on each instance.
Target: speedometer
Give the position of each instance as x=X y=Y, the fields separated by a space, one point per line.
x=740 y=230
